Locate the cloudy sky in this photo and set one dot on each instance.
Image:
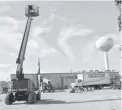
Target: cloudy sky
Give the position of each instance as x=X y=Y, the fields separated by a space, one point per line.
x=63 y=36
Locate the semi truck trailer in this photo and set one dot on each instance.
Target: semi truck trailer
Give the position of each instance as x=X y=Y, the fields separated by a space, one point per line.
x=96 y=81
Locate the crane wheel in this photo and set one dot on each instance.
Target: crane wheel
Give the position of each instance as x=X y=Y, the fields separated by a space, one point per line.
x=35 y=98
x=9 y=99
x=32 y=98
x=38 y=96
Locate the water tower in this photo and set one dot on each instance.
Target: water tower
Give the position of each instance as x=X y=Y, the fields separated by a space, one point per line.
x=105 y=44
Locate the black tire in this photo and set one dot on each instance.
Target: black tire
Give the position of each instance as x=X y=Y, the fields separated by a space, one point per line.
x=49 y=90
x=119 y=88
x=92 y=88
x=38 y=96
x=85 y=89
x=81 y=89
x=32 y=98
x=114 y=87
x=72 y=90
x=95 y=87
x=35 y=98
x=43 y=91
x=9 y=99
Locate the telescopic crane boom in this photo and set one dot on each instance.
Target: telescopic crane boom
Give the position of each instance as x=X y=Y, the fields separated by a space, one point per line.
x=24 y=88
x=31 y=11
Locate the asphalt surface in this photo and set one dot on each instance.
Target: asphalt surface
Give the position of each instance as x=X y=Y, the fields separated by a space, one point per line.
x=63 y=100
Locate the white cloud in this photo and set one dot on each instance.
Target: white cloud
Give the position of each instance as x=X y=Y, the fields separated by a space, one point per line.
x=66 y=34
x=85 y=59
x=37 y=31
x=52 y=25
x=53 y=16
x=89 y=51
x=4 y=65
x=32 y=44
x=4 y=7
x=73 y=31
x=10 y=21
x=117 y=46
x=47 y=51
x=11 y=37
x=12 y=54
x=37 y=46
x=10 y=32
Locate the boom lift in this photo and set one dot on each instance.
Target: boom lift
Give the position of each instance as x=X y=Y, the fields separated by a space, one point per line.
x=24 y=88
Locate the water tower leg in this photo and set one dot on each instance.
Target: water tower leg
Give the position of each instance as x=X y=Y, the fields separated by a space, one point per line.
x=106 y=61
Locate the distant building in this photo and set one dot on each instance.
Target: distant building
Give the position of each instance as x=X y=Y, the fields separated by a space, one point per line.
x=3 y=87
x=63 y=80
x=60 y=80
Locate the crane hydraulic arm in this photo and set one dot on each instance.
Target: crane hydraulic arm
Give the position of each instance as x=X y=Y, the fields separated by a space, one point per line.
x=31 y=11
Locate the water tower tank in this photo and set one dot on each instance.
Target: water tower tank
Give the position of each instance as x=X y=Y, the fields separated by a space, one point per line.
x=104 y=44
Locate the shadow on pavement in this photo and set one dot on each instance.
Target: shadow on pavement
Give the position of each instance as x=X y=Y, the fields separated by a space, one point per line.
x=50 y=101
x=55 y=91
x=45 y=101
x=93 y=101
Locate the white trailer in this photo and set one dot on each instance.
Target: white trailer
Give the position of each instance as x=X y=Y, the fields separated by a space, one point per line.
x=95 y=79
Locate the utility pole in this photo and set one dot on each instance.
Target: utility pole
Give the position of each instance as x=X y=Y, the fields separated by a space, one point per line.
x=38 y=65
x=119 y=4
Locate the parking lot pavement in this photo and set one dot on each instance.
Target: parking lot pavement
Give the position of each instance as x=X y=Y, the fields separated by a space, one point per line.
x=97 y=100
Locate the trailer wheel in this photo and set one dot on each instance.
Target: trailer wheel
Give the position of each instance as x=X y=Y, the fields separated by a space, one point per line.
x=53 y=90
x=119 y=88
x=32 y=97
x=92 y=89
x=43 y=91
x=85 y=89
x=9 y=99
x=72 y=90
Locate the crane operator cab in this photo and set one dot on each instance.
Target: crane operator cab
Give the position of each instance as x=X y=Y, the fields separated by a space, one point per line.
x=24 y=87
